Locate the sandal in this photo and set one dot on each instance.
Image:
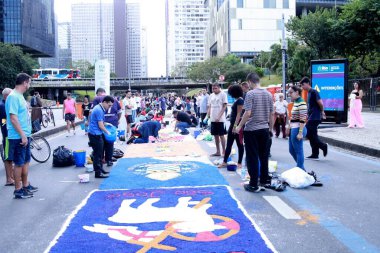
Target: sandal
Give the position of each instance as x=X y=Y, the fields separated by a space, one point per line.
x=216 y=154
x=222 y=165
x=9 y=184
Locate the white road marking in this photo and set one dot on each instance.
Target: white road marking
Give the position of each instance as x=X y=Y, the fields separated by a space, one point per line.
x=68 y=181
x=282 y=208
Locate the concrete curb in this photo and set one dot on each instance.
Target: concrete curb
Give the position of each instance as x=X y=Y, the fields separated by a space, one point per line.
x=351 y=146
x=55 y=130
x=47 y=133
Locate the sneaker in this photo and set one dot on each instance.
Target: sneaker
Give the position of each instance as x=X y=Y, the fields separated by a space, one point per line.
x=325 y=150
x=109 y=164
x=313 y=157
x=31 y=188
x=22 y=194
x=317 y=183
x=250 y=188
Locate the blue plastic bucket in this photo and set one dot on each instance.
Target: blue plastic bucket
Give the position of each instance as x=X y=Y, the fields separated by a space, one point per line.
x=82 y=126
x=112 y=136
x=120 y=133
x=80 y=158
x=196 y=133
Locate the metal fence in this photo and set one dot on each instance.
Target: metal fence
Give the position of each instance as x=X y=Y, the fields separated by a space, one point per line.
x=371 y=90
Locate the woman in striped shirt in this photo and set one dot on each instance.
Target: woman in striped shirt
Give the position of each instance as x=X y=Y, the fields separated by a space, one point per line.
x=296 y=126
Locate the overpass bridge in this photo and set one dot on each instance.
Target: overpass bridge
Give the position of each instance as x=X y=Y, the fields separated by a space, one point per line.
x=118 y=83
x=55 y=89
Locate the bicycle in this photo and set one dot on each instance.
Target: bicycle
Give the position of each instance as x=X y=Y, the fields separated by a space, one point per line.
x=39 y=149
x=48 y=117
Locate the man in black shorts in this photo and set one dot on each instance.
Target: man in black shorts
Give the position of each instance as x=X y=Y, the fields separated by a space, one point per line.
x=217 y=104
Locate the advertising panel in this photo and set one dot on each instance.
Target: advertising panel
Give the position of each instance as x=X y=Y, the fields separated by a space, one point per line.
x=102 y=75
x=329 y=78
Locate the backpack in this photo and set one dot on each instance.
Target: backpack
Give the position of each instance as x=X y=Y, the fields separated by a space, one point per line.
x=62 y=157
x=33 y=102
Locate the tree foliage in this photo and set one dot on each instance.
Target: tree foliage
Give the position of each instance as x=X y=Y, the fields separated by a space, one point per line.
x=351 y=32
x=230 y=66
x=12 y=62
x=87 y=70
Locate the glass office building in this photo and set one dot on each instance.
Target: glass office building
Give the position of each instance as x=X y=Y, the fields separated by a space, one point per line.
x=29 y=24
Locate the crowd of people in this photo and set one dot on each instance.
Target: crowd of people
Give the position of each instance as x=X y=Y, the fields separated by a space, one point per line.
x=254 y=115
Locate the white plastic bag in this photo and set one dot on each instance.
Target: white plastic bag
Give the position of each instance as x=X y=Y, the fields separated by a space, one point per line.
x=297 y=178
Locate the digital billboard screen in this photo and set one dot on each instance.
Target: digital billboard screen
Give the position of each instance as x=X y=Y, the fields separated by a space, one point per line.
x=329 y=80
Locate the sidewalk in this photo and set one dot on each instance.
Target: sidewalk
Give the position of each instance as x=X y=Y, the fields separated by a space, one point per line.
x=365 y=140
x=60 y=124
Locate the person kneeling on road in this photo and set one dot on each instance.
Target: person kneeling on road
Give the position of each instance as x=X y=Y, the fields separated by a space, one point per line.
x=146 y=129
x=95 y=133
x=183 y=121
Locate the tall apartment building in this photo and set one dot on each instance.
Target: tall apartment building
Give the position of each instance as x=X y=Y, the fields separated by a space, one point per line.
x=188 y=21
x=303 y=6
x=133 y=39
x=86 y=32
x=144 y=53
x=62 y=57
x=245 y=27
x=19 y=25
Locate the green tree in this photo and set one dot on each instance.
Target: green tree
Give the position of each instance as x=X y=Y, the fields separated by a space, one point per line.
x=12 y=62
x=358 y=29
x=316 y=30
x=87 y=70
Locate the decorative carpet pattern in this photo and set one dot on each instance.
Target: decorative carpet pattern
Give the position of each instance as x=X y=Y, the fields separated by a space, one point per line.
x=185 y=219
x=185 y=148
x=136 y=173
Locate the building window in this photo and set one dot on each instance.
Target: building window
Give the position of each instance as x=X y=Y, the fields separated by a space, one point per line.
x=240 y=3
x=240 y=24
x=269 y=3
x=285 y=4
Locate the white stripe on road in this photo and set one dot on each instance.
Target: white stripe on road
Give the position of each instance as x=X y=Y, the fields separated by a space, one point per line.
x=282 y=208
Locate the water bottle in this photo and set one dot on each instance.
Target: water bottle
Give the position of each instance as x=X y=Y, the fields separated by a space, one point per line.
x=243 y=172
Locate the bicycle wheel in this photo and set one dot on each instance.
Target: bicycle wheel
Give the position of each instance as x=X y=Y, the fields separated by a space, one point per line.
x=40 y=149
x=45 y=120
x=52 y=117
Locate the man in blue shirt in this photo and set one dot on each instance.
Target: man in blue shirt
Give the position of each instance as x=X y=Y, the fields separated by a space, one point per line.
x=315 y=115
x=112 y=116
x=19 y=131
x=3 y=117
x=95 y=134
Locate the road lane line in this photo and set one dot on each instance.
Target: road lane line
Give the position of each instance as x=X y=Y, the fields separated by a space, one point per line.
x=352 y=240
x=282 y=208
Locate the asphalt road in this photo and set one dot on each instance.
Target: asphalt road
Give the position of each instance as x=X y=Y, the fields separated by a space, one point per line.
x=341 y=216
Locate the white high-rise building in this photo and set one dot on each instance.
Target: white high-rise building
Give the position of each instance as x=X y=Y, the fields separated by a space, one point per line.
x=245 y=27
x=144 y=53
x=188 y=20
x=86 y=32
x=133 y=39
x=64 y=35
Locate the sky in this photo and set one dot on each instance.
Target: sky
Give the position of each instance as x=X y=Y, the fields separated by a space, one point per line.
x=152 y=17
